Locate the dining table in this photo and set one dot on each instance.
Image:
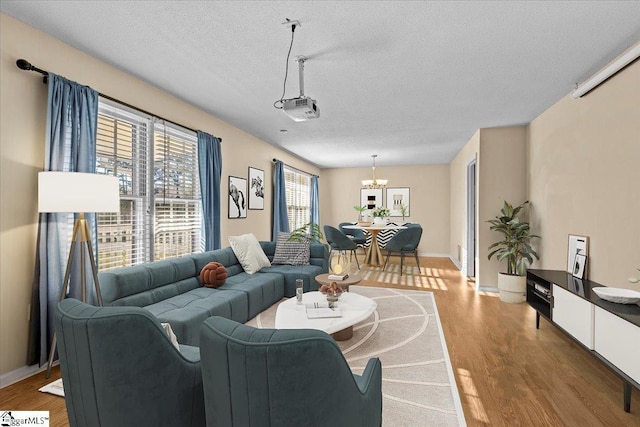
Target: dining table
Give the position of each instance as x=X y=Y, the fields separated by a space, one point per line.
x=374 y=255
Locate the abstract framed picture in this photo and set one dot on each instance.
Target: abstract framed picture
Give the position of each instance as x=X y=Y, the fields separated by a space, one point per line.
x=237 y=197
x=397 y=198
x=256 y=189
x=371 y=198
x=579 y=266
x=577 y=245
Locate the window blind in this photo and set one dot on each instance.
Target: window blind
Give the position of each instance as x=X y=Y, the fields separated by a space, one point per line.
x=298 y=193
x=156 y=166
x=177 y=192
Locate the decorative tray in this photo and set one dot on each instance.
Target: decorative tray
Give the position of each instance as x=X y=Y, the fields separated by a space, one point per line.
x=617 y=295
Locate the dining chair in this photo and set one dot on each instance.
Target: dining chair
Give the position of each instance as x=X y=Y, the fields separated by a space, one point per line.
x=357 y=236
x=339 y=241
x=403 y=242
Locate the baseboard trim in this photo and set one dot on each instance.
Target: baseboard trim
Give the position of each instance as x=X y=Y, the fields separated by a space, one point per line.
x=21 y=373
x=492 y=289
x=433 y=255
x=421 y=254
x=455 y=262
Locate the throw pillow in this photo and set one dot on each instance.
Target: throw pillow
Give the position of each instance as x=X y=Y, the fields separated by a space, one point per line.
x=171 y=335
x=291 y=252
x=249 y=252
x=213 y=275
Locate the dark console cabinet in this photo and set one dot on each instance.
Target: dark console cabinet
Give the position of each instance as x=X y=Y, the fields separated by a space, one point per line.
x=609 y=331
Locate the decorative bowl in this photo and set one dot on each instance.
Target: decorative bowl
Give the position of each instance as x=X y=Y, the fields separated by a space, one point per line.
x=364 y=223
x=331 y=295
x=332 y=292
x=618 y=295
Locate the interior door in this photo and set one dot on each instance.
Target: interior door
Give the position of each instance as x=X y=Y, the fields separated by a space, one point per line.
x=471 y=219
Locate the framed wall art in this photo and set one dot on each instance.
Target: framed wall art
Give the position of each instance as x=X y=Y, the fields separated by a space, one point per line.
x=578 y=245
x=579 y=266
x=237 y=197
x=371 y=198
x=397 y=198
x=256 y=188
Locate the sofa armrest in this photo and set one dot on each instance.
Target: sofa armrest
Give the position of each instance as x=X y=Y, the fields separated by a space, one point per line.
x=319 y=255
x=371 y=377
x=370 y=386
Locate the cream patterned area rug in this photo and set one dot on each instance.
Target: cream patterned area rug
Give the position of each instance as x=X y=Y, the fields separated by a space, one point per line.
x=53 y=388
x=418 y=384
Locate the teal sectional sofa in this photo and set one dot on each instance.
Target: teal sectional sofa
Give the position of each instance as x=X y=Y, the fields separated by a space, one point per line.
x=171 y=290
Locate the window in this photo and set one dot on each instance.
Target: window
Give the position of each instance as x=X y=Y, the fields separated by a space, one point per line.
x=298 y=189
x=156 y=164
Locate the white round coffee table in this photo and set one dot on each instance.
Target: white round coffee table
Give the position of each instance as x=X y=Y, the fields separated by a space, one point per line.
x=355 y=308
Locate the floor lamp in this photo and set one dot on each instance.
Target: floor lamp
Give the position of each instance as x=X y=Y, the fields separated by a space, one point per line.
x=80 y=193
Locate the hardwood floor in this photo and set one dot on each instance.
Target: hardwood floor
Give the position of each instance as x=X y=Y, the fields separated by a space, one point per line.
x=507 y=372
x=24 y=396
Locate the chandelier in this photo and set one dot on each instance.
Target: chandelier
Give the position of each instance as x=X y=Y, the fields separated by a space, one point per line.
x=374 y=183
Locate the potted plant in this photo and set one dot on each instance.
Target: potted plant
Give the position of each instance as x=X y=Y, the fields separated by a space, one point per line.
x=515 y=248
x=404 y=210
x=360 y=210
x=379 y=215
x=310 y=231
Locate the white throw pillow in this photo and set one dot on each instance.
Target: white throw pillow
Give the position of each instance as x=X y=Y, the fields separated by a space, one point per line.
x=249 y=253
x=171 y=335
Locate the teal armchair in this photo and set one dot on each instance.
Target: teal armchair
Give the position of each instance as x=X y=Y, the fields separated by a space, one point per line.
x=119 y=368
x=280 y=378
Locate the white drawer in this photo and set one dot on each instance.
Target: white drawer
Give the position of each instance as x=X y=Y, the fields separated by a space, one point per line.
x=574 y=315
x=618 y=341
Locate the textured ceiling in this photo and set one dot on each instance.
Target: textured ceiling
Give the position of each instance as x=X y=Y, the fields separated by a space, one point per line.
x=409 y=81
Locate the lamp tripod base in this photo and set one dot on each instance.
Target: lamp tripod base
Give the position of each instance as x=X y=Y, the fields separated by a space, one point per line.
x=82 y=236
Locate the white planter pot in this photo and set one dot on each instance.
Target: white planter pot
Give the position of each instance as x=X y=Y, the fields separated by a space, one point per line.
x=379 y=220
x=512 y=288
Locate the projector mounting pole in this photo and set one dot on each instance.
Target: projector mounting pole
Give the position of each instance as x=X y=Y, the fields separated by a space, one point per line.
x=301 y=60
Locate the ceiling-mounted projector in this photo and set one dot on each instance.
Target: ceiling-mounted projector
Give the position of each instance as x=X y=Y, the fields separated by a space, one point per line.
x=301 y=109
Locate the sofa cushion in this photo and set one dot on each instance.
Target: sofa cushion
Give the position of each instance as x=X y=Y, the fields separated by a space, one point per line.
x=213 y=275
x=145 y=284
x=290 y=273
x=249 y=252
x=291 y=252
x=262 y=289
x=224 y=256
x=187 y=311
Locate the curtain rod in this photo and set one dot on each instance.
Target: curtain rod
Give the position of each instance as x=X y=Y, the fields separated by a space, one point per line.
x=291 y=167
x=25 y=65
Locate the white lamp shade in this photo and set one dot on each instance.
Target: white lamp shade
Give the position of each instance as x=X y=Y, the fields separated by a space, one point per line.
x=77 y=192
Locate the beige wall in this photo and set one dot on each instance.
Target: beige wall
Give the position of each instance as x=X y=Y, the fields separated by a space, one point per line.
x=458 y=190
x=501 y=176
x=584 y=178
x=22 y=118
x=429 y=193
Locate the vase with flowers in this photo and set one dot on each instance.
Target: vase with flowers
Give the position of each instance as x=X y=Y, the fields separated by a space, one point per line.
x=380 y=215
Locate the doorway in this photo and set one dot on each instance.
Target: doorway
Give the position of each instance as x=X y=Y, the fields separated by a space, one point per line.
x=471 y=219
